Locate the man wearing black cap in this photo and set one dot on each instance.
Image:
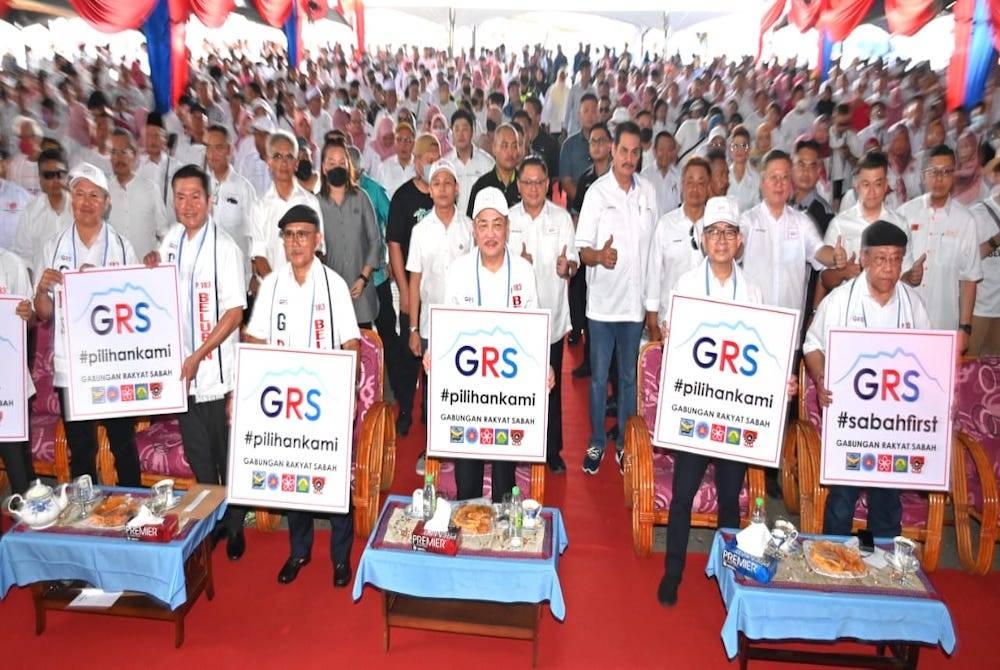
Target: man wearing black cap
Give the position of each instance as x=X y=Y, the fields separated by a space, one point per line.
x=301 y=287
x=874 y=299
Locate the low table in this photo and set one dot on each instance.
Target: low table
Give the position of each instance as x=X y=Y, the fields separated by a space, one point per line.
x=758 y=613
x=159 y=581
x=498 y=596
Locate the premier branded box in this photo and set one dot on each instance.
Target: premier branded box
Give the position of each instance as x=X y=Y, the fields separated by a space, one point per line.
x=160 y=532
x=436 y=543
x=758 y=569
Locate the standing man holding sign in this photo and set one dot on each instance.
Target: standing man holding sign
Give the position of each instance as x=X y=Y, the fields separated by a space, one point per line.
x=305 y=286
x=213 y=295
x=88 y=242
x=16 y=456
x=874 y=299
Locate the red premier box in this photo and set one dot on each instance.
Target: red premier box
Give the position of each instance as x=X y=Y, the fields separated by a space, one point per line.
x=161 y=532
x=435 y=543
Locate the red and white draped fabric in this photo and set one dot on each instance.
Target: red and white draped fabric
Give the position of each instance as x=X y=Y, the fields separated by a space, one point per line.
x=112 y=16
x=906 y=17
x=767 y=21
x=995 y=21
x=840 y=17
x=804 y=14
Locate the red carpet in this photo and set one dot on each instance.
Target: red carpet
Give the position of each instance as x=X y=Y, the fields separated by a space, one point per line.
x=613 y=620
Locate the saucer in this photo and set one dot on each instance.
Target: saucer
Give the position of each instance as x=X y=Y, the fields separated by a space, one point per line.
x=912 y=564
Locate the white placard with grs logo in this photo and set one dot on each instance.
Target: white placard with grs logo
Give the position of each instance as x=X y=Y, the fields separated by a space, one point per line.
x=724 y=379
x=889 y=421
x=292 y=430
x=487 y=387
x=14 y=375
x=121 y=333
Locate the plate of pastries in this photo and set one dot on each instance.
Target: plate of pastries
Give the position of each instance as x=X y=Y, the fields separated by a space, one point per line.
x=834 y=559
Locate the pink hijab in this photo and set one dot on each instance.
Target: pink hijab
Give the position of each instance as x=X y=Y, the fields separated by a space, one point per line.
x=441 y=135
x=384 y=126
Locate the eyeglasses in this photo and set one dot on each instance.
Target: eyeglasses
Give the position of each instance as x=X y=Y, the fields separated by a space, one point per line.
x=533 y=183
x=882 y=261
x=53 y=174
x=297 y=236
x=739 y=146
x=728 y=234
x=938 y=173
x=284 y=157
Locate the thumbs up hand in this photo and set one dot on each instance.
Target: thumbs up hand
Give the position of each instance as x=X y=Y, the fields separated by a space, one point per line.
x=839 y=254
x=852 y=267
x=917 y=271
x=562 y=265
x=608 y=254
x=524 y=253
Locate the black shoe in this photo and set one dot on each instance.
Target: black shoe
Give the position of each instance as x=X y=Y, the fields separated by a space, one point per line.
x=403 y=423
x=556 y=465
x=611 y=409
x=217 y=534
x=290 y=570
x=341 y=574
x=235 y=546
x=667 y=591
x=574 y=338
x=582 y=371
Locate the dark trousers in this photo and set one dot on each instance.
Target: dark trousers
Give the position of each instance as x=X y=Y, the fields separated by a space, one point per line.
x=300 y=535
x=16 y=457
x=81 y=438
x=688 y=472
x=554 y=439
x=578 y=301
x=385 y=323
x=405 y=367
x=469 y=478
x=205 y=435
x=885 y=512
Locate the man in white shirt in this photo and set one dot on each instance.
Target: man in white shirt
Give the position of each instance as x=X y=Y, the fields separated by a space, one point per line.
x=156 y=164
x=571 y=121
x=544 y=236
x=265 y=245
x=744 y=182
x=13 y=202
x=90 y=242
x=320 y=121
x=23 y=168
x=232 y=196
x=617 y=219
x=943 y=238
x=663 y=173
x=397 y=169
x=874 y=299
x=675 y=247
x=254 y=165
x=985 y=337
x=48 y=212
x=779 y=241
x=212 y=299
x=298 y=290
x=136 y=209
x=470 y=161
x=846 y=148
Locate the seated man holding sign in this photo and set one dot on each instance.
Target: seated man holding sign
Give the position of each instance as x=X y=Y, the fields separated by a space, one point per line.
x=874 y=299
x=306 y=305
x=717 y=276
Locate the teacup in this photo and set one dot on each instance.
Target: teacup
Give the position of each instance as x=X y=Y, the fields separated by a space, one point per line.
x=83 y=489
x=163 y=495
x=783 y=536
x=531 y=509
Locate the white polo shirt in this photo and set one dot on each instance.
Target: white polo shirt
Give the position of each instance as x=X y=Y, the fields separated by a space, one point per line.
x=38 y=223
x=24 y=173
x=949 y=238
x=264 y=216
x=13 y=201
x=911 y=179
x=137 y=212
x=777 y=251
x=391 y=175
x=318 y=314
x=255 y=170
x=544 y=238
x=700 y=282
x=210 y=283
x=667 y=186
x=469 y=172
x=676 y=248
x=746 y=190
x=14 y=281
x=851 y=305
x=617 y=294
x=469 y=284
x=988 y=290
x=232 y=201
x=433 y=248
x=66 y=251
x=851 y=223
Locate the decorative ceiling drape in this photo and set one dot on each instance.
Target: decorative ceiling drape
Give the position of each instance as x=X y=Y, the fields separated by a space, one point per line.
x=906 y=17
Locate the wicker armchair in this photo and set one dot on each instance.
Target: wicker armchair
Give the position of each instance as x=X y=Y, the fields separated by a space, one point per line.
x=47 y=434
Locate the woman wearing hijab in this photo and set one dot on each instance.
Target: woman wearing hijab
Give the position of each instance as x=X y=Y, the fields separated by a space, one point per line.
x=968 y=187
x=382 y=145
x=903 y=176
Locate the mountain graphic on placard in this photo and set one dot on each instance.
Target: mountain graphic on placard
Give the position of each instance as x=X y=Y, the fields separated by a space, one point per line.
x=496 y=331
x=297 y=375
x=898 y=352
x=739 y=326
x=122 y=290
x=8 y=343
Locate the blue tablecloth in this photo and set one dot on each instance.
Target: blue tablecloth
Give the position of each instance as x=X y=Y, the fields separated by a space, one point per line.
x=773 y=614
x=513 y=580
x=108 y=563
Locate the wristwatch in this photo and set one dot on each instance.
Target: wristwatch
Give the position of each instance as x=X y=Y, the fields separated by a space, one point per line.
x=413 y=329
x=965 y=327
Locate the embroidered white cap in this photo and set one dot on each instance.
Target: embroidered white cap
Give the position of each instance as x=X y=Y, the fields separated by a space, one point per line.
x=263 y=124
x=91 y=173
x=440 y=165
x=721 y=209
x=490 y=198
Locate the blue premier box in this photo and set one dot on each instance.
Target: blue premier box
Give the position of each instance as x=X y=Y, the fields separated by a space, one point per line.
x=758 y=569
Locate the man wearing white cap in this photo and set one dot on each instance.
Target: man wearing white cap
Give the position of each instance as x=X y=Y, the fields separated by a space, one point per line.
x=253 y=166
x=490 y=276
x=320 y=121
x=88 y=242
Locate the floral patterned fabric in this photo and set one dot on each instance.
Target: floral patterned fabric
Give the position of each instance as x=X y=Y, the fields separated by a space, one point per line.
x=45 y=412
x=978 y=385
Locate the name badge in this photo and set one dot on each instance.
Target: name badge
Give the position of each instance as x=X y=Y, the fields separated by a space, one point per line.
x=792 y=233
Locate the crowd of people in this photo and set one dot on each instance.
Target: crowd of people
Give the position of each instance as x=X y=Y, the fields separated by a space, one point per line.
x=384 y=178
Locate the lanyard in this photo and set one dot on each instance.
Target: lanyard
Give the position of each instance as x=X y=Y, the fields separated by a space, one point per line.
x=864 y=316
x=479 y=288
x=194 y=267
x=708 y=291
x=107 y=236
x=312 y=308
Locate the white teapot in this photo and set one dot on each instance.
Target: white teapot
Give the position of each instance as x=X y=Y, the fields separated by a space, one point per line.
x=40 y=505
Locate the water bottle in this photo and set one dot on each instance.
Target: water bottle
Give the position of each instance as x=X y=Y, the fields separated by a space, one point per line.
x=516 y=517
x=758 y=515
x=430 y=497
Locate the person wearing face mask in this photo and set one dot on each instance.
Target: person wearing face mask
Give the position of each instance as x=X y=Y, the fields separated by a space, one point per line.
x=352 y=237
x=798 y=121
x=307 y=177
x=876 y=127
